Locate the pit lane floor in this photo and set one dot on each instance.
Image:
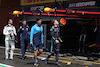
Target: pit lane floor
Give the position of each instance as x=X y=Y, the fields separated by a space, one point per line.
x=28 y=62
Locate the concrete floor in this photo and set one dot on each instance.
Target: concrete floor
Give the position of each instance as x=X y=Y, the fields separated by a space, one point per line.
x=28 y=62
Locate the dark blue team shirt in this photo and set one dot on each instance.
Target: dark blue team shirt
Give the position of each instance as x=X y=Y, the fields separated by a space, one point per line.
x=23 y=30
x=36 y=34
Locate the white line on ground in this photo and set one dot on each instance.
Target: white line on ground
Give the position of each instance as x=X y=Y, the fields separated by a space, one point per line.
x=42 y=58
x=15 y=48
x=39 y=57
x=74 y=57
x=5 y=65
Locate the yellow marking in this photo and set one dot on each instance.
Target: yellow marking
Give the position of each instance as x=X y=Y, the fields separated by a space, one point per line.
x=59 y=57
x=28 y=56
x=51 y=59
x=68 y=63
x=75 y=59
x=98 y=60
x=86 y=66
x=70 y=59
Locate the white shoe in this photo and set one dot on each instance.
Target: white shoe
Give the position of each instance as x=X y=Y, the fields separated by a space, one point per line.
x=10 y=58
x=6 y=58
x=36 y=64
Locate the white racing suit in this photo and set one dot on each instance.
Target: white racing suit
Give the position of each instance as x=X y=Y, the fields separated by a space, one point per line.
x=9 y=31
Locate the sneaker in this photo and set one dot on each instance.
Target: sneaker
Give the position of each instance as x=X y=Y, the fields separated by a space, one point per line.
x=36 y=64
x=6 y=58
x=58 y=64
x=11 y=59
x=46 y=61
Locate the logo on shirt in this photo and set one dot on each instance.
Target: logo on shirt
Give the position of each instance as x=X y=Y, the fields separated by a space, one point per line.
x=26 y=29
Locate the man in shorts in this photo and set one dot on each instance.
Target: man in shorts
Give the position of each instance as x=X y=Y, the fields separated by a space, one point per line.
x=36 y=39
